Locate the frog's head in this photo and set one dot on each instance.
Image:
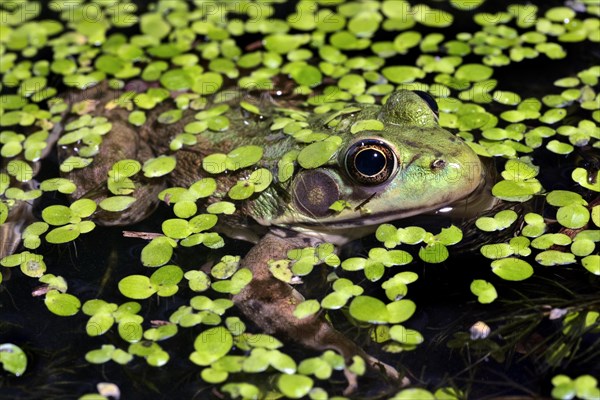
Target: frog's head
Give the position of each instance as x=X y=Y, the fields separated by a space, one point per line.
x=409 y=167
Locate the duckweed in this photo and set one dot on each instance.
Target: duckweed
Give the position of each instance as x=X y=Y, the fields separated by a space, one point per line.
x=13 y=358
x=334 y=55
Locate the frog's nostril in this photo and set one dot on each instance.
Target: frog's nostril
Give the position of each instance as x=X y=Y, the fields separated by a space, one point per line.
x=438 y=164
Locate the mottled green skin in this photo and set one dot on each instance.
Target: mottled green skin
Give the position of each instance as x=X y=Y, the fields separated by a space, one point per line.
x=410 y=127
x=434 y=169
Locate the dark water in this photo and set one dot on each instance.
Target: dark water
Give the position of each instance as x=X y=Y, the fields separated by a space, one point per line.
x=93 y=264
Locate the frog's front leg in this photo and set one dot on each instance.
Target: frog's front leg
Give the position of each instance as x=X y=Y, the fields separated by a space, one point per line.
x=270 y=303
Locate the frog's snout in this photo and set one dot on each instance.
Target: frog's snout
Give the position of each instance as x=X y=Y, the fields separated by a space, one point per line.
x=464 y=171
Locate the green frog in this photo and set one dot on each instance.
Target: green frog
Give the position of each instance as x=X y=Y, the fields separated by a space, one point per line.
x=381 y=162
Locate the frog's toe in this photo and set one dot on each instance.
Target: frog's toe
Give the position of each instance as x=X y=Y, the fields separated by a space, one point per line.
x=352 y=382
x=378 y=370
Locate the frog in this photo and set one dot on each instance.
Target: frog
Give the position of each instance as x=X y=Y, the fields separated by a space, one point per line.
x=384 y=162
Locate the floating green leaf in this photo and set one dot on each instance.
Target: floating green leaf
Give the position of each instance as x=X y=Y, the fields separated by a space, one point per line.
x=485 y=291
x=243 y=156
x=13 y=358
x=116 y=203
x=402 y=74
x=434 y=253
x=319 y=153
x=474 y=72
x=63 y=234
x=62 y=304
x=306 y=309
x=211 y=345
x=512 y=269
x=573 y=216
x=401 y=310
x=294 y=386
x=369 y=309
x=366 y=125
x=158 y=252
x=592 y=264
x=136 y=287
x=159 y=166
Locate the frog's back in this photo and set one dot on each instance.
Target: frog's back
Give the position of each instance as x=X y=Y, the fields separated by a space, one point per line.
x=378 y=162
x=226 y=125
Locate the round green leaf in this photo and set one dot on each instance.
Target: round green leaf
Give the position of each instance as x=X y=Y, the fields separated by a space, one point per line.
x=176 y=79
x=563 y=198
x=241 y=190
x=402 y=74
x=125 y=169
x=62 y=304
x=3 y=212
x=307 y=308
x=159 y=166
x=63 y=234
x=116 y=203
x=294 y=386
x=13 y=358
x=57 y=215
x=434 y=253
x=485 y=291
x=554 y=257
x=401 y=310
x=405 y=336
x=243 y=156
x=83 y=208
x=583 y=247
x=218 y=123
x=334 y=301
x=474 y=72
x=221 y=207
x=573 y=216
x=369 y=309
x=211 y=375
x=261 y=178
x=156 y=253
x=215 y=163
x=592 y=264
x=316 y=154
x=512 y=269
x=167 y=275
x=136 y=287
x=211 y=345
x=176 y=228
x=307 y=75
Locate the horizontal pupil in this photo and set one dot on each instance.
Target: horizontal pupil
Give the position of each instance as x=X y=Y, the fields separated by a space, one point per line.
x=369 y=162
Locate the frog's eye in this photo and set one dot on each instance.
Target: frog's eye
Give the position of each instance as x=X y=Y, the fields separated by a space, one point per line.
x=371 y=162
x=429 y=100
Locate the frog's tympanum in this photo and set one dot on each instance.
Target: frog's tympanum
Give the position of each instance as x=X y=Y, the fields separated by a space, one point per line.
x=387 y=162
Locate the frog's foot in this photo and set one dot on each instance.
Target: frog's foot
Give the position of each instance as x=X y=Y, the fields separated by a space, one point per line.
x=379 y=366
x=387 y=370
x=330 y=338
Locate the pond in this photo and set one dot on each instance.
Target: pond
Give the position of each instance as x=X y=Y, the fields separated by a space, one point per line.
x=147 y=147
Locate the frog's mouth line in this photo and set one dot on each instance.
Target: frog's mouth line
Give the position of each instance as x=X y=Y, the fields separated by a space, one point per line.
x=469 y=206
x=364 y=220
